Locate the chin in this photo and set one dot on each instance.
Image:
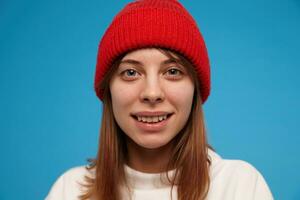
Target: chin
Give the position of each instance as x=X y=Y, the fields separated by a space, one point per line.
x=152 y=144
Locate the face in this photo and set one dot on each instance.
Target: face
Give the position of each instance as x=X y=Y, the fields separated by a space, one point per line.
x=151 y=97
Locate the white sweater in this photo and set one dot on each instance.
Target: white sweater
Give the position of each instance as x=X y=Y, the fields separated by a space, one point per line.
x=230 y=180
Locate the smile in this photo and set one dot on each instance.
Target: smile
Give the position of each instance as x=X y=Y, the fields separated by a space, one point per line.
x=152 y=124
x=152 y=119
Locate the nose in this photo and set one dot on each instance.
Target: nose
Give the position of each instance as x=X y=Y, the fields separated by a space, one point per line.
x=152 y=92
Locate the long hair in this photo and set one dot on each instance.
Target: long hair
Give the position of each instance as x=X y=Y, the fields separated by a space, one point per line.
x=189 y=156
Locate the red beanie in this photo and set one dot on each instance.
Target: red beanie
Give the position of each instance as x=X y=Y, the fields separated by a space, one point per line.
x=154 y=23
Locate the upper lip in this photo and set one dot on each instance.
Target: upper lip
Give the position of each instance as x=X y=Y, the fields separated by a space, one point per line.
x=151 y=114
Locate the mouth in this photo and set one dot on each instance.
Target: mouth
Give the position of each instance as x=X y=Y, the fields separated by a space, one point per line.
x=152 y=119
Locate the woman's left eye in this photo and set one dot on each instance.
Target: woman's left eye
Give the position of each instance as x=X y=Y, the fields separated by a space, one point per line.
x=174 y=72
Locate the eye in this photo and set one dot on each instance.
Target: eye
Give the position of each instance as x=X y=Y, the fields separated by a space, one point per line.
x=129 y=74
x=174 y=73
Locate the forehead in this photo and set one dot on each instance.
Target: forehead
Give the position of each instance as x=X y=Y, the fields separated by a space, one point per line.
x=148 y=54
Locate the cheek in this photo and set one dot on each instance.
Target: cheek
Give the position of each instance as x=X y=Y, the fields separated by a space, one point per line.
x=181 y=95
x=123 y=97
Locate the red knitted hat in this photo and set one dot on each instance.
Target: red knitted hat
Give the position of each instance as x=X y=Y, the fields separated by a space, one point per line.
x=154 y=23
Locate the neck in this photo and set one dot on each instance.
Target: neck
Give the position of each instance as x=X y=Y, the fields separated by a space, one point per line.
x=148 y=160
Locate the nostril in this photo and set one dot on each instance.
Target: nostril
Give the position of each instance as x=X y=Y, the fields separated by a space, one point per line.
x=152 y=97
x=152 y=100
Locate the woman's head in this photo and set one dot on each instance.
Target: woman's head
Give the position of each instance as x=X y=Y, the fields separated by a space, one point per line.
x=151 y=96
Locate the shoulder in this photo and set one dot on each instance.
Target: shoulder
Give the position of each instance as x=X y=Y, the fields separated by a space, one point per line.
x=69 y=184
x=237 y=179
x=238 y=167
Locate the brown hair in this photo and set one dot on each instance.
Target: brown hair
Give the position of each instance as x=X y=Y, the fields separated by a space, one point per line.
x=190 y=154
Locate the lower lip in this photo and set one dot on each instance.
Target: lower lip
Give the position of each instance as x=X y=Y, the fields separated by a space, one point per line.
x=152 y=127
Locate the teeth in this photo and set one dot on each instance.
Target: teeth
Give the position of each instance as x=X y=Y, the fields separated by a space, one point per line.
x=148 y=119
x=152 y=119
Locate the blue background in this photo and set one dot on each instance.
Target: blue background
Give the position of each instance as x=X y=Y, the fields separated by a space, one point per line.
x=50 y=116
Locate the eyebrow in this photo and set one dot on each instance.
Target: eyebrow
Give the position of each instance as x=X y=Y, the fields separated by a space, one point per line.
x=135 y=62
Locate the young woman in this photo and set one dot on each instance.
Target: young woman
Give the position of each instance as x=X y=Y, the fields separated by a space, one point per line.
x=153 y=76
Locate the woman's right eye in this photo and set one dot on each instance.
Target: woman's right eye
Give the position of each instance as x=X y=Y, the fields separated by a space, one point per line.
x=129 y=74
